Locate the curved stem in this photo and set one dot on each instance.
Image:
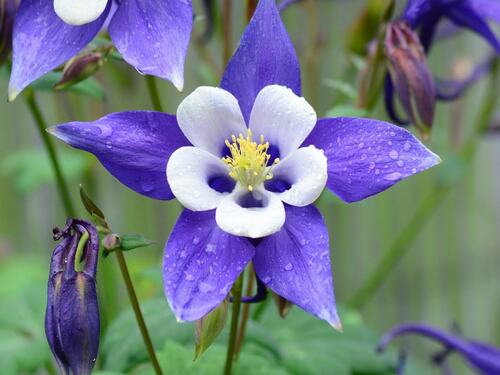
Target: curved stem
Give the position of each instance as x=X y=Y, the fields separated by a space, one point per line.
x=231 y=346
x=246 y=312
x=137 y=311
x=62 y=186
x=153 y=93
x=406 y=237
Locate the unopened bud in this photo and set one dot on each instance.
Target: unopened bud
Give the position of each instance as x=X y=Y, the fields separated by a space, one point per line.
x=111 y=241
x=8 y=10
x=284 y=306
x=81 y=67
x=72 y=315
x=410 y=74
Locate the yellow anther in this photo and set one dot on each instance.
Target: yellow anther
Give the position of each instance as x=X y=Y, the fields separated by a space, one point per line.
x=248 y=160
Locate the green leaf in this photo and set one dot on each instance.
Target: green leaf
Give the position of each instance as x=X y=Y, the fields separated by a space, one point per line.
x=346 y=110
x=93 y=209
x=31 y=168
x=310 y=346
x=89 y=87
x=130 y=241
x=209 y=328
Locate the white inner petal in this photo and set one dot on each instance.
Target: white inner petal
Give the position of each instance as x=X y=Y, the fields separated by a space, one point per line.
x=284 y=118
x=188 y=172
x=306 y=171
x=209 y=116
x=234 y=217
x=79 y=12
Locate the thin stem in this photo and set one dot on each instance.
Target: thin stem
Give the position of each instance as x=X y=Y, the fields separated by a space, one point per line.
x=236 y=292
x=410 y=232
x=62 y=186
x=226 y=29
x=251 y=5
x=137 y=310
x=246 y=312
x=153 y=93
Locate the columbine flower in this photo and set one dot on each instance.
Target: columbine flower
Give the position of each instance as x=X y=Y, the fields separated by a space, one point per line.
x=425 y=16
x=72 y=315
x=247 y=160
x=480 y=356
x=151 y=35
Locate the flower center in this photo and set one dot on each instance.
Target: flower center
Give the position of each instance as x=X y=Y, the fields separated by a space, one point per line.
x=248 y=160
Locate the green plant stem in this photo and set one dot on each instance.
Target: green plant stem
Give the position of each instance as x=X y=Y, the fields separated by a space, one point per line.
x=153 y=93
x=236 y=292
x=246 y=311
x=410 y=232
x=137 y=310
x=226 y=29
x=41 y=124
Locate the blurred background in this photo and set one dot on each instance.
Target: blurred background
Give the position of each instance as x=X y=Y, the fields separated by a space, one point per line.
x=448 y=276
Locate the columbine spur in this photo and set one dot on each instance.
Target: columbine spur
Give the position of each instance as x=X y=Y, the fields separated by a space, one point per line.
x=152 y=36
x=482 y=357
x=247 y=160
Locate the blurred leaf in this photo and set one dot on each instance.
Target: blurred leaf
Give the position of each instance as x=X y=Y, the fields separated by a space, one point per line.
x=209 y=328
x=89 y=87
x=130 y=241
x=310 y=346
x=31 y=168
x=176 y=359
x=122 y=345
x=343 y=87
x=346 y=110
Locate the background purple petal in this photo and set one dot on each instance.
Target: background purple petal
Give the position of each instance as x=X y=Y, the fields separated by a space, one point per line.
x=295 y=263
x=42 y=41
x=133 y=146
x=153 y=36
x=264 y=57
x=367 y=156
x=487 y=8
x=201 y=264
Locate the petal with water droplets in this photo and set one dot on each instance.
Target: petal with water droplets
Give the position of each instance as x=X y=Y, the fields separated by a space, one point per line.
x=368 y=156
x=133 y=146
x=201 y=263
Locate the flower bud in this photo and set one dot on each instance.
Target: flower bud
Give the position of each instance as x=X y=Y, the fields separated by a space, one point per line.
x=72 y=316
x=8 y=10
x=410 y=74
x=81 y=67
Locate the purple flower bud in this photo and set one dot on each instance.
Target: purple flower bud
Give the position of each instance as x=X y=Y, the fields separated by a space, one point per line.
x=8 y=10
x=410 y=74
x=81 y=67
x=480 y=356
x=72 y=316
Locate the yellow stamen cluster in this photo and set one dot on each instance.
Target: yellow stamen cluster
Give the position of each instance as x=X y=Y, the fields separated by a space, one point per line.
x=248 y=160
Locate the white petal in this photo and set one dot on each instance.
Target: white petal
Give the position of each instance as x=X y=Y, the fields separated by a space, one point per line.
x=209 y=116
x=306 y=171
x=79 y=12
x=188 y=172
x=253 y=222
x=284 y=118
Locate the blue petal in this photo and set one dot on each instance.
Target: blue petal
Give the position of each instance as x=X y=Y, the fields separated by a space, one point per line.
x=201 y=263
x=153 y=36
x=264 y=57
x=42 y=41
x=295 y=263
x=367 y=156
x=133 y=146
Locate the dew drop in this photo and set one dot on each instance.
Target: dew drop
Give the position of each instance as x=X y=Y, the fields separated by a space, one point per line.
x=393 y=154
x=392 y=176
x=289 y=267
x=196 y=240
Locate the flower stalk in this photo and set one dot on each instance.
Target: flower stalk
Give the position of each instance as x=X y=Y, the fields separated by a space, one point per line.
x=153 y=93
x=41 y=124
x=246 y=312
x=137 y=310
x=231 y=346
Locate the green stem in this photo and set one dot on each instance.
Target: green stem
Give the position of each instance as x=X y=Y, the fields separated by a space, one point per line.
x=236 y=292
x=137 y=311
x=410 y=232
x=153 y=93
x=41 y=126
x=226 y=30
x=79 y=251
x=246 y=311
